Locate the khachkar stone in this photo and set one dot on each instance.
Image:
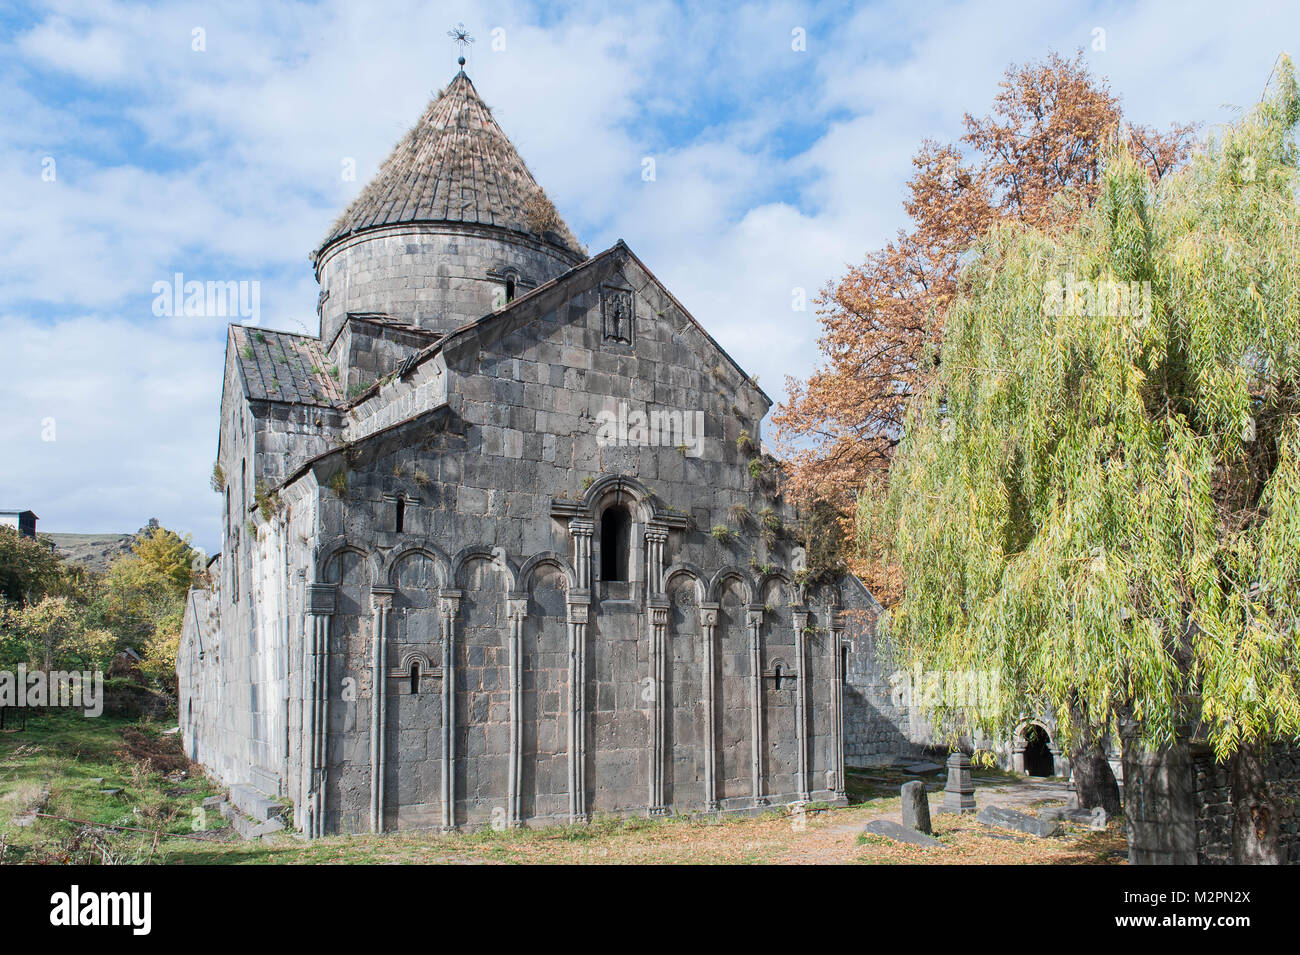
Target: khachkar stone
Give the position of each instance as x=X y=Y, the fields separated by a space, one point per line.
x=959 y=793
x=916 y=807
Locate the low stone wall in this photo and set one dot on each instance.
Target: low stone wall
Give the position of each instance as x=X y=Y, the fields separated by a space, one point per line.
x=1178 y=805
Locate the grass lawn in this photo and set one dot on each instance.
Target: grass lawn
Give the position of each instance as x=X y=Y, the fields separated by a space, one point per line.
x=68 y=766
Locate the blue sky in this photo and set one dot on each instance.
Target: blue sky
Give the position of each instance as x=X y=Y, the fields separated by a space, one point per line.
x=775 y=167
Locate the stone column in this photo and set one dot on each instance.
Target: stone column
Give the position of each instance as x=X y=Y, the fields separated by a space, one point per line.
x=581 y=529
x=321 y=603
x=708 y=625
x=516 y=611
x=656 y=539
x=578 y=606
x=381 y=602
x=801 y=700
x=1018 y=747
x=658 y=736
x=449 y=606
x=754 y=621
x=837 y=706
x=1060 y=761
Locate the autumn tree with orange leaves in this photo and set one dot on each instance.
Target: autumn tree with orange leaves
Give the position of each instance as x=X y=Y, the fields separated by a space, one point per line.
x=1036 y=159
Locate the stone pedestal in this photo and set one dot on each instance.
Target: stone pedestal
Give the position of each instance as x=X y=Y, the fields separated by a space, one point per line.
x=959 y=793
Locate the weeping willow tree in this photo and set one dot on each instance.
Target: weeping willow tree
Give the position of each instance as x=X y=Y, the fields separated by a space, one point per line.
x=1096 y=500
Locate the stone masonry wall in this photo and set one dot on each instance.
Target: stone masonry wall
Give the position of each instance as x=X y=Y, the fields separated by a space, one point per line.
x=438 y=277
x=479 y=490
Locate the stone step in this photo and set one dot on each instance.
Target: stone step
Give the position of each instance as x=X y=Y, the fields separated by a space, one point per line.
x=263 y=781
x=251 y=829
x=255 y=803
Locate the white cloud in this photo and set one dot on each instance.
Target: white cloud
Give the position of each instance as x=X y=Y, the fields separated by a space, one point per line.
x=775 y=169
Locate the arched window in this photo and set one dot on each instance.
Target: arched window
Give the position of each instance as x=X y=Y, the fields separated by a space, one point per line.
x=415 y=677
x=510 y=289
x=615 y=543
x=400 y=516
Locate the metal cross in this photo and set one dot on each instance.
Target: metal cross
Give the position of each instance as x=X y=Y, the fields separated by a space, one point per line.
x=461 y=36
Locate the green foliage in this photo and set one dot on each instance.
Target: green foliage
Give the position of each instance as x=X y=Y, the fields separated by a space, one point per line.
x=722 y=533
x=75 y=618
x=218 y=479
x=338 y=482
x=1098 y=499
x=268 y=502
x=52 y=634
x=745 y=444
x=771 y=527
x=28 y=567
x=167 y=555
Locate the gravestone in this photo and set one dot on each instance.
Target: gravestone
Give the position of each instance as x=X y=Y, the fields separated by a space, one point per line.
x=916 y=808
x=1010 y=819
x=959 y=791
x=892 y=830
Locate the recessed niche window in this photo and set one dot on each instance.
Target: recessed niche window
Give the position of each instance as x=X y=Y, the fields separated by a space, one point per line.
x=779 y=674
x=399 y=518
x=415 y=678
x=844 y=665
x=615 y=543
x=510 y=289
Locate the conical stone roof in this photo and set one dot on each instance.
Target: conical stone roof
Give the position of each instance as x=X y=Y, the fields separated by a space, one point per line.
x=455 y=165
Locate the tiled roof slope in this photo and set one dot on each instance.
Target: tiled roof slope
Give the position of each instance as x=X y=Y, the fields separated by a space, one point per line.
x=282 y=366
x=455 y=165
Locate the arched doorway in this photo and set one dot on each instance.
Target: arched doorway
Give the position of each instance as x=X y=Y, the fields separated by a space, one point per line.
x=1038 y=753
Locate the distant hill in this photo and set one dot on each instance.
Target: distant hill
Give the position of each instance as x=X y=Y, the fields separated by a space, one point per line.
x=93 y=551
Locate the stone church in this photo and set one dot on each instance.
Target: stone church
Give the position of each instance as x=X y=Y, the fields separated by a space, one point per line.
x=501 y=546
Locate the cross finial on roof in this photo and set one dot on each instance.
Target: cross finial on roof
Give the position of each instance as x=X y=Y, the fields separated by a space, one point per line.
x=462 y=37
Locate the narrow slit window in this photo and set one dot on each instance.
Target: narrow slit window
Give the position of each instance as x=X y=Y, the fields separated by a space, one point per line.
x=510 y=290
x=615 y=543
x=415 y=678
x=844 y=665
x=400 y=521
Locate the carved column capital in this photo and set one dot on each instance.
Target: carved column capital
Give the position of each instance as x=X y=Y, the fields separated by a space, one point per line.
x=381 y=598
x=708 y=615
x=449 y=603
x=800 y=618
x=581 y=526
x=578 y=610
x=656 y=531
x=754 y=617
x=516 y=607
x=322 y=598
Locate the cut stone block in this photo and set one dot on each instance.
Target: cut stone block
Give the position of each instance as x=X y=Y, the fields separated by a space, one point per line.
x=1097 y=818
x=1010 y=819
x=256 y=803
x=921 y=768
